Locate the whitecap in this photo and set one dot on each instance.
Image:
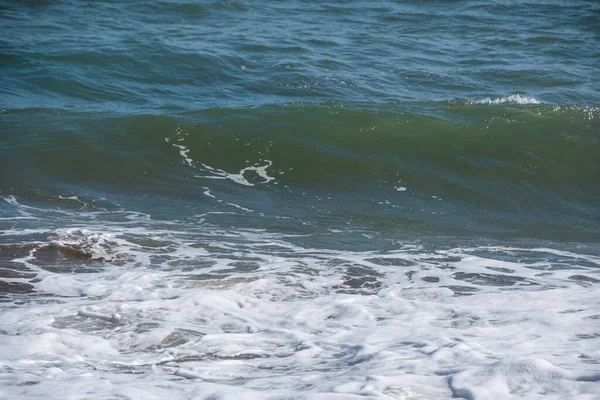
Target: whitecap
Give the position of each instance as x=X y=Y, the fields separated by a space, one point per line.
x=512 y=99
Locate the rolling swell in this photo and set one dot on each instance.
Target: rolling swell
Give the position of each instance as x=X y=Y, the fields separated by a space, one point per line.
x=489 y=160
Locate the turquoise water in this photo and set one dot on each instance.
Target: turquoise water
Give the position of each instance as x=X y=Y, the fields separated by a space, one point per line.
x=300 y=160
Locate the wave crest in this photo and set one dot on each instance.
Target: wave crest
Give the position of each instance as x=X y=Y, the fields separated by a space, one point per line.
x=512 y=99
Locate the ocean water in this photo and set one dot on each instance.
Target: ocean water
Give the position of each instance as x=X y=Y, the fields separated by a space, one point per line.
x=299 y=199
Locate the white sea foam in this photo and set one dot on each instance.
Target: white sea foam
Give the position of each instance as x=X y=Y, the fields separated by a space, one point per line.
x=512 y=99
x=207 y=193
x=240 y=177
x=201 y=312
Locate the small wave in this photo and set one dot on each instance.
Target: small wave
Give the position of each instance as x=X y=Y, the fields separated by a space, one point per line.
x=512 y=99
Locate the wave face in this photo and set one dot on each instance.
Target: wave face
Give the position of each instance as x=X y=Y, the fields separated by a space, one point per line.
x=451 y=167
x=299 y=199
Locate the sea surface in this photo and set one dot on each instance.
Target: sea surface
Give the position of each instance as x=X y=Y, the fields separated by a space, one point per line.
x=300 y=199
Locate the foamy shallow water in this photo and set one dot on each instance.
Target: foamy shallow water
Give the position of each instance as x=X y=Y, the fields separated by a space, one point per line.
x=156 y=310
